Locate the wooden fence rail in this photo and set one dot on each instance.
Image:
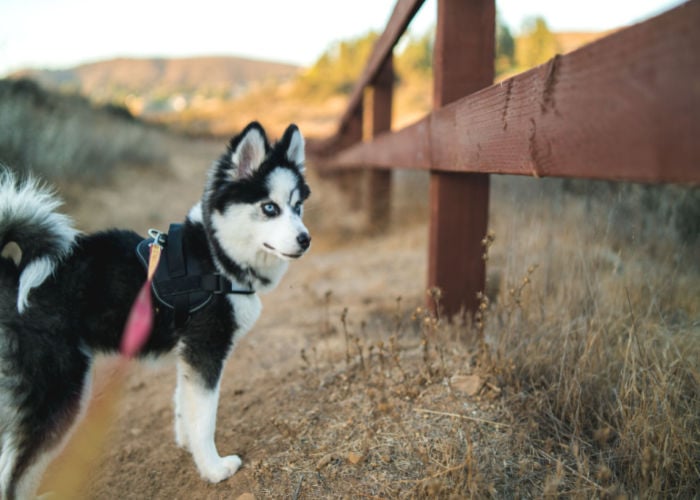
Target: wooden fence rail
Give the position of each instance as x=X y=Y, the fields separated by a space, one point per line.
x=626 y=107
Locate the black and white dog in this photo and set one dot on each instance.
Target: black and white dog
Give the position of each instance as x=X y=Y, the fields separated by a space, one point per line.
x=65 y=296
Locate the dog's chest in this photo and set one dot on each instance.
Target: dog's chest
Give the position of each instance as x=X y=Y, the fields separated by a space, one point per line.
x=246 y=311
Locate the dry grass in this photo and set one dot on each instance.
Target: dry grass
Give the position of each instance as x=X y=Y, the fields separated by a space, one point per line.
x=604 y=349
x=66 y=137
x=579 y=379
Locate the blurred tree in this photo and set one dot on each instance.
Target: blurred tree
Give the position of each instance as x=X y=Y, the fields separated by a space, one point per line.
x=536 y=45
x=416 y=58
x=338 y=68
x=505 y=48
x=336 y=71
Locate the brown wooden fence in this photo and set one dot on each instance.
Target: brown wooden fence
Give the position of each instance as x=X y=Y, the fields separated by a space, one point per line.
x=626 y=107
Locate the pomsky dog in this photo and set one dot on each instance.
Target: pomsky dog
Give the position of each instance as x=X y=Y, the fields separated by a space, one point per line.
x=65 y=297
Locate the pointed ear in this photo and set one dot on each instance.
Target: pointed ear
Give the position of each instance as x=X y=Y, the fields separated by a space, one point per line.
x=295 y=146
x=248 y=150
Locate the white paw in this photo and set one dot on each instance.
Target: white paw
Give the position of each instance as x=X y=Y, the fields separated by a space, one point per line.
x=223 y=469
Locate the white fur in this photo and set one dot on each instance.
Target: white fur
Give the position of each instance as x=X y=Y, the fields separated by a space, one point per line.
x=33 y=275
x=248 y=309
x=251 y=239
x=8 y=456
x=195 y=214
x=244 y=243
x=195 y=409
x=281 y=232
x=195 y=406
x=34 y=205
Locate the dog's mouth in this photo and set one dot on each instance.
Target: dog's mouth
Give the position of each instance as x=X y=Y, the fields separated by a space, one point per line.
x=282 y=254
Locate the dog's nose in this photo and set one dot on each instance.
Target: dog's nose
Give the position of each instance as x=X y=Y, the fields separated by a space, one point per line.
x=304 y=240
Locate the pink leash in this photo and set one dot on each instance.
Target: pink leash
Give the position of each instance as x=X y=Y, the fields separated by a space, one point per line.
x=138 y=326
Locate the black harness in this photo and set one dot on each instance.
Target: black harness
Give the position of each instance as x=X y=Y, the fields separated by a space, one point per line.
x=179 y=282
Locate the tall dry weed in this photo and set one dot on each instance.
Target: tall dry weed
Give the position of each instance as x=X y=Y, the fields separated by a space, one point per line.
x=577 y=378
x=603 y=341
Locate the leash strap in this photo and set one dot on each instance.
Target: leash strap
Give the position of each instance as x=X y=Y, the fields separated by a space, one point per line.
x=154 y=256
x=140 y=320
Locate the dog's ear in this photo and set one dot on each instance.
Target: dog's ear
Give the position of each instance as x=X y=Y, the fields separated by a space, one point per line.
x=293 y=142
x=248 y=150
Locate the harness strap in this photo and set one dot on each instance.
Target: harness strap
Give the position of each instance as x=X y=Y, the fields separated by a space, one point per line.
x=176 y=257
x=214 y=283
x=180 y=283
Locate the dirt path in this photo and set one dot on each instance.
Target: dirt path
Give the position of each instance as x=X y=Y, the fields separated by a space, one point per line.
x=141 y=460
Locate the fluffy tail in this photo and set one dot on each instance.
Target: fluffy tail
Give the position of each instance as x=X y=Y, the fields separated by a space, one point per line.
x=32 y=234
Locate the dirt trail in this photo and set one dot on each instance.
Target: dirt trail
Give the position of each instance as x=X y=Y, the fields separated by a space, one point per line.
x=142 y=460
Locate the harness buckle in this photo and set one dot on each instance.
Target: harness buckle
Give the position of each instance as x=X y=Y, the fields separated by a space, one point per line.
x=158 y=237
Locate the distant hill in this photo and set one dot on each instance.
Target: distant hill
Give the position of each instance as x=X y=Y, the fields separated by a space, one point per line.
x=151 y=80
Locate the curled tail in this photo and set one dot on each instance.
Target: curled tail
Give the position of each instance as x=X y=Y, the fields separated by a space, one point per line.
x=32 y=234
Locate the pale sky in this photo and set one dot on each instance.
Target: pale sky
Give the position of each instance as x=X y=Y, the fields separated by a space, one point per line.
x=64 y=33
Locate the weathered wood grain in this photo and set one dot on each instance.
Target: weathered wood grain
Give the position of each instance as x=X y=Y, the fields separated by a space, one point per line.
x=379 y=180
x=459 y=204
x=626 y=107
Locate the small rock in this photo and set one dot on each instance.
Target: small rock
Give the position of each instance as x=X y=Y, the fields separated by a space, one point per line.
x=325 y=460
x=354 y=458
x=246 y=496
x=467 y=384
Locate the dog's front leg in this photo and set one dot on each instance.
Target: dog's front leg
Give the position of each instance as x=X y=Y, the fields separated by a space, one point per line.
x=195 y=424
x=181 y=437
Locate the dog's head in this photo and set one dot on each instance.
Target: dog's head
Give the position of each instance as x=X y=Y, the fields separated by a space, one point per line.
x=254 y=200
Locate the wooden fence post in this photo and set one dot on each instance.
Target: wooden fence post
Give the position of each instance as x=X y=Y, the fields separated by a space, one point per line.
x=351 y=181
x=379 y=180
x=463 y=62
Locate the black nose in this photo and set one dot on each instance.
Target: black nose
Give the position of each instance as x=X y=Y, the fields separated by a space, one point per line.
x=304 y=240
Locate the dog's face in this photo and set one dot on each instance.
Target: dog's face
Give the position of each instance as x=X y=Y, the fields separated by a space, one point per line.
x=256 y=197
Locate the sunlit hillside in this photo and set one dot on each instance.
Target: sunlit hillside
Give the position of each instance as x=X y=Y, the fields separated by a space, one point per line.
x=149 y=86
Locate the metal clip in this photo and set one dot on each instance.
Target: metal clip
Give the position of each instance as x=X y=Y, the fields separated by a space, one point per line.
x=158 y=237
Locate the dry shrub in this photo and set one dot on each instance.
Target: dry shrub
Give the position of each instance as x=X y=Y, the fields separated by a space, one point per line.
x=385 y=421
x=577 y=378
x=604 y=348
x=65 y=137
x=616 y=400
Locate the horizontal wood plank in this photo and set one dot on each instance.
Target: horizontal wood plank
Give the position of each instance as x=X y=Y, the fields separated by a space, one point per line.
x=623 y=108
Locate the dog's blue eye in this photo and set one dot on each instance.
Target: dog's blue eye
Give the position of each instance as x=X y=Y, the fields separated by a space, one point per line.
x=271 y=209
x=297 y=208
